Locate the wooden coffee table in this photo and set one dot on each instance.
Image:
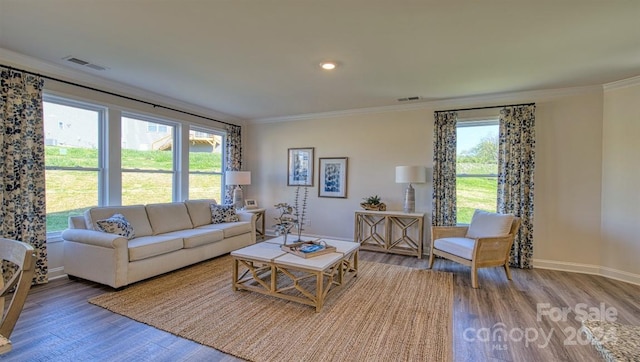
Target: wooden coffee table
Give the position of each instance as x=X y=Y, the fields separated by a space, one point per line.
x=264 y=268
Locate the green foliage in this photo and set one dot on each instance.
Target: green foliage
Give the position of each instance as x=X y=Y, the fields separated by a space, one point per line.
x=372 y=200
x=475 y=193
x=484 y=152
x=72 y=192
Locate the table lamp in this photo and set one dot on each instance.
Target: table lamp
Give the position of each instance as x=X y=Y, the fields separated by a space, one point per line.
x=410 y=174
x=238 y=178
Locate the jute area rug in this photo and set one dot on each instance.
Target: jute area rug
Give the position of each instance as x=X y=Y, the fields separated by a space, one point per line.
x=387 y=313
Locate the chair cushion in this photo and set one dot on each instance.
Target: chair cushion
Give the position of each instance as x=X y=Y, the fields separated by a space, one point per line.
x=200 y=211
x=193 y=238
x=223 y=213
x=462 y=247
x=489 y=224
x=136 y=215
x=150 y=246
x=230 y=228
x=167 y=217
x=117 y=224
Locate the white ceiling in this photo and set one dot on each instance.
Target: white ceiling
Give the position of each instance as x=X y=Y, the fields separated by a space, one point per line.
x=259 y=59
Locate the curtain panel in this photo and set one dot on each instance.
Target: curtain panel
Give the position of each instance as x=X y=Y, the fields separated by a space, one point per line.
x=22 y=198
x=516 y=163
x=444 y=169
x=233 y=161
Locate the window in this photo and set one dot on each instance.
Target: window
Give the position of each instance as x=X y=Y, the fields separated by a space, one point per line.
x=205 y=164
x=137 y=159
x=72 y=159
x=476 y=167
x=147 y=161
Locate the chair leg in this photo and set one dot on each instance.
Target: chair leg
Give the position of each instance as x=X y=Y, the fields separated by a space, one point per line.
x=507 y=270
x=474 y=277
x=431 y=259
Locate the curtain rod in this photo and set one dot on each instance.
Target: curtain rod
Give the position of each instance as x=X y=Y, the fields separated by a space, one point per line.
x=116 y=95
x=488 y=107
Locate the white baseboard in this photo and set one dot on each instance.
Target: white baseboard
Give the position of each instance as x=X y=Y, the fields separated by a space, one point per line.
x=55 y=273
x=587 y=269
x=270 y=232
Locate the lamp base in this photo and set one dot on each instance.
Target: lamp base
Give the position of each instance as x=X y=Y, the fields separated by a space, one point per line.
x=238 y=198
x=409 y=200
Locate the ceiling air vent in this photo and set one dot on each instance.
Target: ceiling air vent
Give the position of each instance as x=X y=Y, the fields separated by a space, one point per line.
x=406 y=99
x=84 y=63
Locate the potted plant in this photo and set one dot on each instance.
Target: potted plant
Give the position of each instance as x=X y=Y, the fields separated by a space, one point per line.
x=373 y=203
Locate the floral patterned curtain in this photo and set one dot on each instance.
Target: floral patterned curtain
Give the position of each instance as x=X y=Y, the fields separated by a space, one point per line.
x=233 y=154
x=516 y=163
x=22 y=198
x=444 y=169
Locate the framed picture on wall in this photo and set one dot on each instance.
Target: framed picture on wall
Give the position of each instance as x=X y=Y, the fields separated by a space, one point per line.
x=300 y=167
x=332 y=177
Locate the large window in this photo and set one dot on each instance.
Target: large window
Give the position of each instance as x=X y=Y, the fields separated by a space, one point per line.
x=205 y=164
x=98 y=155
x=72 y=159
x=148 y=160
x=476 y=167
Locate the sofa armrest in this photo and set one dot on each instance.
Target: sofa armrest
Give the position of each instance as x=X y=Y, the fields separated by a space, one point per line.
x=252 y=218
x=96 y=238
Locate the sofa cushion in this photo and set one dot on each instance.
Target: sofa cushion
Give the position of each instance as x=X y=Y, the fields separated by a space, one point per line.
x=223 y=213
x=462 y=247
x=150 y=246
x=230 y=228
x=489 y=224
x=116 y=224
x=200 y=211
x=167 y=217
x=197 y=237
x=135 y=214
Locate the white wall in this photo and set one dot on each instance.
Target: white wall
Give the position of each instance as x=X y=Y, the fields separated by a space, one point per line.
x=621 y=181
x=374 y=145
x=568 y=179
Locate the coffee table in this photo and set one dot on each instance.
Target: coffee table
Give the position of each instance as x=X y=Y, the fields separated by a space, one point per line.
x=265 y=268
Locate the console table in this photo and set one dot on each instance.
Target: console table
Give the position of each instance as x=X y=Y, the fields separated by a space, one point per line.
x=390 y=231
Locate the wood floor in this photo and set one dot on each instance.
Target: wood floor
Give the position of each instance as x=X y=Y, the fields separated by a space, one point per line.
x=500 y=321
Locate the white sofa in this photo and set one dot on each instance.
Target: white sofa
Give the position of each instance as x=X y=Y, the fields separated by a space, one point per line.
x=168 y=236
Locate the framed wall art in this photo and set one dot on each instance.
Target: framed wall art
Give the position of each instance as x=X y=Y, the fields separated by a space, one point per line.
x=332 y=178
x=300 y=167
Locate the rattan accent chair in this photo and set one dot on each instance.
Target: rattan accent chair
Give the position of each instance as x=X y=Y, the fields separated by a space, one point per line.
x=476 y=245
x=23 y=256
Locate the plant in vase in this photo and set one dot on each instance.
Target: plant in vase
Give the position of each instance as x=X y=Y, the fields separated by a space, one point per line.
x=286 y=221
x=373 y=203
x=300 y=212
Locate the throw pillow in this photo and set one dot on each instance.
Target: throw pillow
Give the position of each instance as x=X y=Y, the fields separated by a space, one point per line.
x=116 y=224
x=223 y=213
x=489 y=224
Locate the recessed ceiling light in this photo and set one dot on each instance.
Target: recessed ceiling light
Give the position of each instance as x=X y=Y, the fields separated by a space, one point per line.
x=328 y=65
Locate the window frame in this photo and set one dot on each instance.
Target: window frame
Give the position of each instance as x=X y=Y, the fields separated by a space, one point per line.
x=100 y=169
x=223 y=135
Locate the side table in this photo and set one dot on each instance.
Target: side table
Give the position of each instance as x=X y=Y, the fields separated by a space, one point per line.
x=259 y=221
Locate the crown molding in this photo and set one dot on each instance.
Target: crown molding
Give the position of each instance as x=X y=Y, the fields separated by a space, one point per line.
x=35 y=65
x=443 y=104
x=624 y=83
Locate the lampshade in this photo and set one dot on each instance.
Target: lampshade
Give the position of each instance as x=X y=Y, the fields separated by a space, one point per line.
x=411 y=174
x=238 y=177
